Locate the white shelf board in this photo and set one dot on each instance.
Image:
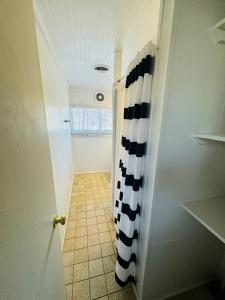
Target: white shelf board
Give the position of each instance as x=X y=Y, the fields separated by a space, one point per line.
x=218 y=32
x=218 y=137
x=210 y=213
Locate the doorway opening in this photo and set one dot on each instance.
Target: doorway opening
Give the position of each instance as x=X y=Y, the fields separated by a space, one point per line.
x=90 y=55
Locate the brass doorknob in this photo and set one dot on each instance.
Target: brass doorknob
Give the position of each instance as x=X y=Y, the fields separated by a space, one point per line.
x=59 y=219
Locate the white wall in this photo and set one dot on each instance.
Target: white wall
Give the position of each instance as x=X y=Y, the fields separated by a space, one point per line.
x=159 y=79
x=90 y=153
x=57 y=110
x=143 y=31
x=181 y=253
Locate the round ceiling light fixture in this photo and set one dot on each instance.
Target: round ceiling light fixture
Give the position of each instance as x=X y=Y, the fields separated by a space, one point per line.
x=101 y=68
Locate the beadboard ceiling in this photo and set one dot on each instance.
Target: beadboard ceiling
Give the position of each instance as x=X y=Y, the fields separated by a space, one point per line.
x=86 y=32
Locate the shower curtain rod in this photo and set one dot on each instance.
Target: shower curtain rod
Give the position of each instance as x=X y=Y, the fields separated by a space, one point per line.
x=123 y=78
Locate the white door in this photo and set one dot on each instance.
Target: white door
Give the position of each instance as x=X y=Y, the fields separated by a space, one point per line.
x=31 y=265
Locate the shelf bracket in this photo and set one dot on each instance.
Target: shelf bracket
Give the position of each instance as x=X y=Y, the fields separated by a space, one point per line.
x=203 y=141
x=218 y=32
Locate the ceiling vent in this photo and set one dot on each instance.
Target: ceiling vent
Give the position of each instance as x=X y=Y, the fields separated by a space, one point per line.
x=99 y=96
x=101 y=68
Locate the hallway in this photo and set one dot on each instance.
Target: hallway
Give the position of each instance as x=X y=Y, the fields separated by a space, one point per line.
x=89 y=248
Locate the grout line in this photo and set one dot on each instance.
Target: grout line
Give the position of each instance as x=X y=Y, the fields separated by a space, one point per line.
x=92 y=278
x=76 y=208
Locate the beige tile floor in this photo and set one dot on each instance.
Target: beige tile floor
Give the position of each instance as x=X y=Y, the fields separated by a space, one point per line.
x=89 y=247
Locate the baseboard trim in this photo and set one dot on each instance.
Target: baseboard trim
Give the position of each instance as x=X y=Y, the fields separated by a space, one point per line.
x=90 y=172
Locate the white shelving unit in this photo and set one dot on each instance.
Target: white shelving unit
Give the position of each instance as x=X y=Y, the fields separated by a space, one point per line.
x=210 y=213
x=210 y=137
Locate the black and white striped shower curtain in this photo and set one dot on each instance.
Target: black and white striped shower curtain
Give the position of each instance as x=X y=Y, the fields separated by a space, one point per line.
x=128 y=200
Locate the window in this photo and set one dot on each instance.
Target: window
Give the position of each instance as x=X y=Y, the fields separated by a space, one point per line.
x=91 y=120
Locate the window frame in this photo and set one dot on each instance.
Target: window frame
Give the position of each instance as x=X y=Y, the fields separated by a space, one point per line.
x=89 y=132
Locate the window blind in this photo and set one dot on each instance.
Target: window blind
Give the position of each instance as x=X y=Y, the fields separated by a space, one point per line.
x=91 y=120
